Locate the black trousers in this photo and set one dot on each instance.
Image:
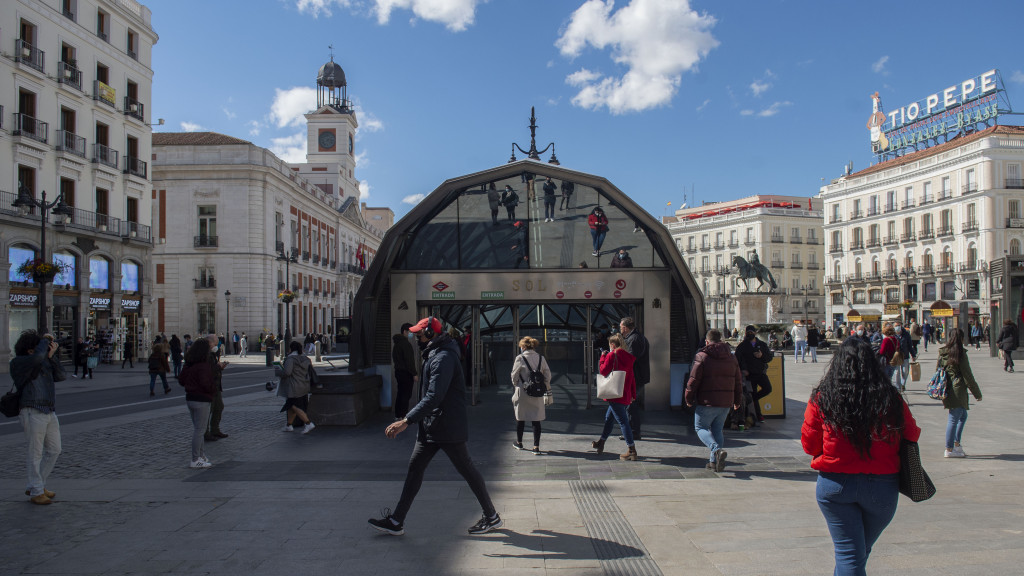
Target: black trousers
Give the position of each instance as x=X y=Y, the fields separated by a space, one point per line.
x=1007 y=360
x=405 y=383
x=216 y=411
x=521 y=427
x=762 y=387
x=422 y=454
x=636 y=410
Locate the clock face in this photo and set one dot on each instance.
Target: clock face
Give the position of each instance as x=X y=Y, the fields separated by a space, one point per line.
x=327 y=140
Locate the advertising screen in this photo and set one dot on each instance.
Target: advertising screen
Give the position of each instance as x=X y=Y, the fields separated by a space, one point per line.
x=17 y=257
x=99 y=274
x=129 y=277
x=67 y=276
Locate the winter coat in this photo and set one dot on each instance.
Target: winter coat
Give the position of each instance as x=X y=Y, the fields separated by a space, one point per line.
x=199 y=382
x=1008 y=338
x=528 y=408
x=831 y=451
x=715 y=379
x=402 y=355
x=158 y=361
x=441 y=411
x=619 y=359
x=624 y=262
x=493 y=198
x=549 y=192
x=598 y=223
x=34 y=375
x=813 y=337
x=961 y=380
x=640 y=348
x=295 y=378
x=746 y=359
x=509 y=198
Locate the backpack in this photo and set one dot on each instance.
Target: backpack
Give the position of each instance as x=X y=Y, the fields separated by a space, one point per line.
x=536 y=386
x=938 y=384
x=918 y=331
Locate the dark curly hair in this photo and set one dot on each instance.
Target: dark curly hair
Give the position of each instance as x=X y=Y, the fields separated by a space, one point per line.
x=954 y=346
x=198 y=352
x=857 y=398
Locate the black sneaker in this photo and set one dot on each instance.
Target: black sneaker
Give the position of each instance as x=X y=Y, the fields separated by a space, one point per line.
x=486 y=524
x=517 y=445
x=387 y=524
x=720 y=460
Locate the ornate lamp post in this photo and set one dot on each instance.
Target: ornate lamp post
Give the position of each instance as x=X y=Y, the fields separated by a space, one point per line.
x=227 y=329
x=533 y=153
x=287 y=301
x=24 y=203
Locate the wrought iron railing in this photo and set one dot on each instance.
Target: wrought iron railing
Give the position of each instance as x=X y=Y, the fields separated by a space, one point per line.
x=104 y=155
x=135 y=166
x=204 y=241
x=134 y=108
x=70 y=142
x=29 y=55
x=68 y=74
x=199 y=283
x=25 y=125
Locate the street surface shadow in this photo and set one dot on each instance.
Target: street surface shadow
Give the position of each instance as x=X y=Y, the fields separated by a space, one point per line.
x=548 y=544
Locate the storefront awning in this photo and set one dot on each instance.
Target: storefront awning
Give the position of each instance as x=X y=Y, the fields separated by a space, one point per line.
x=941 y=308
x=864 y=315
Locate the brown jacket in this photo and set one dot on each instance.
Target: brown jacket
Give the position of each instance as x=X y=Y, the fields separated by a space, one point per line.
x=715 y=379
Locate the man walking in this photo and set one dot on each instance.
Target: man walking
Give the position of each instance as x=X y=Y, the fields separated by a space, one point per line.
x=243 y=346
x=799 y=334
x=813 y=339
x=715 y=384
x=213 y=432
x=234 y=342
x=405 y=369
x=915 y=339
x=637 y=345
x=753 y=356
x=442 y=424
x=34 y=369
x=899 y=377
x=926 y=334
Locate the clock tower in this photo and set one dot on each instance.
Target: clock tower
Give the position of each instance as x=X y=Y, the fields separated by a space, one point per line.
x=330 y=133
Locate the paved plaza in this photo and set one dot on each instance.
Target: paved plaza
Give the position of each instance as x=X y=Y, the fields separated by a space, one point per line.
x=285 y=503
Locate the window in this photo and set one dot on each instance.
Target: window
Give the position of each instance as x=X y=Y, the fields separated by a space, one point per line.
x=99 y=273
x=796 y=258
x=1014 y=208
x=103 y=25
x=946 y=189
x=704 y=242
x=67 y=188
x=858 y=238
x=102 y=207
x=705 y=263
x=27 y=178
x=206 y=278
x=837 y=299
x=206 y=316
x=892 y=294
x=892 y=264
x=949 y=291
x=972 y=181
x=875 y=296
x=837 y=270
x=890 y=200
x=947 y=220
x=926 y=223
x=812 y=236
x=856 y=208
x=102 y=73
x=908 y=196
x=929 y=291
x=733 y=238
x=133 y=45
x=719 y=240
x=972 y=257
x=873 y=233
x=891 y=229
x=837 y=240
x=928 y=192
x=278 y=226
x=908 y=226
x=131 y=209
x=691 y=243
x=750 y=234
x=858 y=297
x=68 y=8
x=813 y=283
x=872 y=205
x=1013 y=179
x=835 y=213
x=777 y=232
x=795 y=284
x=1015 y=247
x=208 y=223
x=972 y=213
x=68 y=275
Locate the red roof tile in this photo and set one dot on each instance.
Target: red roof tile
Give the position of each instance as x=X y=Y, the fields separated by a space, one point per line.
x=195 y=139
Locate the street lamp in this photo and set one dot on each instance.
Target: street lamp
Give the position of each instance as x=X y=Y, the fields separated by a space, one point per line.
x=287 y=306
x=806 y=314
x=723 y=273
x=25 y=202
x=227 y=329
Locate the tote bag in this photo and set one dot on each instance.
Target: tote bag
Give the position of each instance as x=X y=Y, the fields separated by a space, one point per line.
x=613 y=385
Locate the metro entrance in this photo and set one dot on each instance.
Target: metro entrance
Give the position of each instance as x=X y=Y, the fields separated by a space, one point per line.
x=571 y=336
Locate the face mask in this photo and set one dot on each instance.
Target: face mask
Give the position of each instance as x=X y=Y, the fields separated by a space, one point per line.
x=860 y=332
x=622 y=256
x=412 y=336
x=899 y=329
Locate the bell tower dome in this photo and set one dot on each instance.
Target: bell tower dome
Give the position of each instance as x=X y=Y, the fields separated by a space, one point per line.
x=331 y=87
x=330 y=134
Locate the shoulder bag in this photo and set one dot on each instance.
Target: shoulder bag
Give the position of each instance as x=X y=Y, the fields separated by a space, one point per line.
x=938 y=384
x=9 y=404
x=613 y=385
x=914 y=481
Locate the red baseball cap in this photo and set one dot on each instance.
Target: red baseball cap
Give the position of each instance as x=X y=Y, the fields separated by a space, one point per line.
x=435 y=326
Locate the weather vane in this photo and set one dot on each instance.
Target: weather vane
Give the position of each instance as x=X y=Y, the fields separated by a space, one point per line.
x=533 y=153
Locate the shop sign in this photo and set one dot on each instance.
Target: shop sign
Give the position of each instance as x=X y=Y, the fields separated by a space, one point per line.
x=130 y=304
x=106 y=93
x=24 y=299
x=892 y=309
x=942 y=312
x=99 y=302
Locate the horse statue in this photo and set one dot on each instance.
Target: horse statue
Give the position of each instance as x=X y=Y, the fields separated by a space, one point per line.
x=748 y=270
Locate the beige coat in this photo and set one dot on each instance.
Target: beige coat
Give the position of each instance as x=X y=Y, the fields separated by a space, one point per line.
x=528 y=408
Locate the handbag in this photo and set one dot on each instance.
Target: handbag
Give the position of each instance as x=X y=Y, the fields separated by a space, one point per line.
x=613 y=385
x=92 y=362
x=938 y=384
x=897 y=356
x=9 y=404
x=549 y=398
x=914 y=481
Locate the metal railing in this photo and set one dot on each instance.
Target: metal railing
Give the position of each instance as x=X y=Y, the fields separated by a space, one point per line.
x=873 y=212
x=925 y=270
x=334 y=264
x=778 y=264
x=134 y=108
x=129 y=229
x=316 y=259
x=890 y=208
x=778 y=239
x=70 y=142
x=925 y=234
x=946 y=231
x=969 y=226
x=889 y=275
x=835 y=218
x=104 y=155
x=927 y=199
x=68 y=74
x=25 y=125
x=132 y=54
x=855 y=214
x=891 y=241
x=969 y=188
x=908 y=237
x=352 y=269
x=833 y=280
x=281 y=285
x=812 y=240
x=1015 y=183
x=968 y=266
x=796 y=265
x=204 y=241
x=945 y=195
x=750 y=242
x=874 y=243
x=719 y=245
x=135 y=166
x=279 y=248
x=796 y=240
x=946 y=268
x=305 y=256
x=854 y=277
x=908 y=204
x=68 y=14
x=812 y=265
x=199 y=283
x=835 y=249
x=734 y=243
x=29 y=55
x=705 y=248
x=857 y=245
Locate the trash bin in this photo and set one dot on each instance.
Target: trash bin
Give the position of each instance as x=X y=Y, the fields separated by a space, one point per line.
x=270 y=355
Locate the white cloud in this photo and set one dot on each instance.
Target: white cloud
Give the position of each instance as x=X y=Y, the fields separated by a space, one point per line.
x=703 y=105
x=290 y=148
x=879 y=66
x=231 y=115
x=767 y=112
x=456 y=15
x=655 y=40
x=1017 y=77
x=746 y=112
x=190 y=127
x=362 y=159
x=317 y=7
x=758 y=87
x=290 y=105
x=364 y=190
x=368 y=122
x=413 y=198
x=254 y=127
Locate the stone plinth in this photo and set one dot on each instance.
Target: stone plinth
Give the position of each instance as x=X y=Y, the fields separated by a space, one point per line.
x=345 y=399
x=751 y=308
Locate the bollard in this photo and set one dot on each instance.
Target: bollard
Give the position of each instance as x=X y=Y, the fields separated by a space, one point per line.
x=316 y=350
x=270 y=355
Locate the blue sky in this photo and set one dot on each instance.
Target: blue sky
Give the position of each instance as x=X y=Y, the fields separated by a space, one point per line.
x=714 y=100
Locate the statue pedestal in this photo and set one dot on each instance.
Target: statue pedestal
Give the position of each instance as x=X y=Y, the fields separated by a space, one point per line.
x=751 y=308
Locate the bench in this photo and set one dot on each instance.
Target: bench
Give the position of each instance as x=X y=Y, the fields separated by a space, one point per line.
x=335 y=357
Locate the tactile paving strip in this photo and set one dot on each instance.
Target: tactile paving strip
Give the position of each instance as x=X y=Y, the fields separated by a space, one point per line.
x=617 y=546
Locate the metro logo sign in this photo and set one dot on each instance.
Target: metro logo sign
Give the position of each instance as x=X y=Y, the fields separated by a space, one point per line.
x=440 y=286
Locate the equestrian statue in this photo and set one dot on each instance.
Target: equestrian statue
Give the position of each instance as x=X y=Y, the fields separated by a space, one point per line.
x=753 y=269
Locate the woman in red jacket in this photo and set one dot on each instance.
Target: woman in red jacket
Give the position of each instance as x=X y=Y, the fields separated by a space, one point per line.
x=852 y=428
x=890 y=345
x=618 y=359
x=598 y=223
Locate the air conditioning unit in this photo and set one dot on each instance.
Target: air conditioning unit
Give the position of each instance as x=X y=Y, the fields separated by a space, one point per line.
x=26 y=52
x=134 y=107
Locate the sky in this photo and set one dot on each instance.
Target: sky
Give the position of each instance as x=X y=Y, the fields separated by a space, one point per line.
x=672 y=101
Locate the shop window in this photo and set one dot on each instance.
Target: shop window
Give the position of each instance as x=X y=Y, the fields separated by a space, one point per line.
x=68 y=276
x=18 y=255
x=99 y=274
x=129 y=277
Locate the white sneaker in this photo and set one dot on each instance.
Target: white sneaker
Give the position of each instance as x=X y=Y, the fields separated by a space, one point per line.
x=205 y=459
x=959 y=451
x=308 y=428
x=595 y=253
x=74 y=375
x=288 y=428
x=953 y=454
x=200 y=464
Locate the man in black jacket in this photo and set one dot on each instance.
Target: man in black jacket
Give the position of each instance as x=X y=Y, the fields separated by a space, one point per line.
x=637 y=345
x=442 y=425
x=753 y=356
x=405 y=369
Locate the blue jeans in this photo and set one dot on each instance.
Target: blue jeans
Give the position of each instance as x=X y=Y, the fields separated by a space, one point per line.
x=200 y=414
x=152 y=380
x=617 y=413
x=955 y=426
x=857 y=508
x=598 y=238
x=814 y=353
x=800 y=350
x=709 y=421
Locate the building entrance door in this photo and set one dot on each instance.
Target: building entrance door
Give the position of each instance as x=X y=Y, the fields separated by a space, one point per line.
x=568 y=335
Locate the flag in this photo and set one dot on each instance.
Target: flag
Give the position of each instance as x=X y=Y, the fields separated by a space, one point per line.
x=360 y=258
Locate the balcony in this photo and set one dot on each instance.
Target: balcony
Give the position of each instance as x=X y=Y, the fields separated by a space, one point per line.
x=132 y=54
x=890 y=208
x=857 y=245
x=305 y=291
x=201 y=283
x=68 y=14
x=968 y=267
x=854 y=277
x=204 y=241
x=795 y=240
x=778 y=239
x=279 y=248
x=778 y=264
x=969 y=227
x=68 y=74
x=908 y=271
x=334 y=294
x=71 y=143
x=812 y=240
x=316 y=291
x=750 y=242
x=135 y=166
x=690 y=249
x=873 y=212
x=334 y=264
x=927 y=199
x=352 y=269
x=945 y=268
x=1015 y=183
x=134 y=108
x=796 y=265
x=1015 y=222
x=104 y=94
x=305 y=256
x=945 y=231
x=705 y=272
x=889 y=275
x=29 y=55
x=873 y=277
x=908 y=204
x=134 y=230
x=835 y=249
x=945 y=195
x=969 y=188
x=908 y=238
x=833 y=280
x=316 y=259
x=812 y=266
x=925 y=234
x=104 y=155
x=280 y=286
x=29 y=127
x=926 y=270
x=835 y=219
x=722 y=271
x=891 y=241
x=734 y=243
x=705 y=248
x=719 y=245
x=856 y=214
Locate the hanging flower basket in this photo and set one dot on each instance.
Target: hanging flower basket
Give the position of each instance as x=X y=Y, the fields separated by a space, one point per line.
x=286 y=296
x=42 y=271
